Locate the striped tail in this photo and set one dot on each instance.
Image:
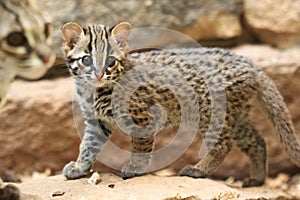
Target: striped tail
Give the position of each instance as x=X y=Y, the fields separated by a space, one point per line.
x=273 y=104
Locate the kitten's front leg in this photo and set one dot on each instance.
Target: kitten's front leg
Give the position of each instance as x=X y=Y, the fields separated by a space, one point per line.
x=141 y=154
x=91 y=144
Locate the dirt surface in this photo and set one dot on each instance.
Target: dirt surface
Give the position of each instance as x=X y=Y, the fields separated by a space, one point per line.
x=150 y=187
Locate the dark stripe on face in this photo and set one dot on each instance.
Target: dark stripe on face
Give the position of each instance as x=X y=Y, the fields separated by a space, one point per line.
x=84 y=31
x=28 y=48
x=73 y=70
x=106 y=33
x=12 y=12
x=96 y=37
x=91 y=39
x=108 y=45
x=71 y=60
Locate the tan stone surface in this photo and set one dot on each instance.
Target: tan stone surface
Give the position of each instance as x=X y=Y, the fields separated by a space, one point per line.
x=143 y=188
x=275 y=22
x=217 y=24
x=37 y=128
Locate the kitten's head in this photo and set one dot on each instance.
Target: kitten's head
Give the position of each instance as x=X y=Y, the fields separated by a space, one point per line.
x=25 y=40
x=96 y=53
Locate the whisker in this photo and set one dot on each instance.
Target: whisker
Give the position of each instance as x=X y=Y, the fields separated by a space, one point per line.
x=118 y=85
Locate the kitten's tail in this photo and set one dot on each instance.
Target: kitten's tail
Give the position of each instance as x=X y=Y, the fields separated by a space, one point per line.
x=277 y=112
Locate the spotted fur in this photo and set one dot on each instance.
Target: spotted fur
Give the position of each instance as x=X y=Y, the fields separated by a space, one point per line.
x=99 y=61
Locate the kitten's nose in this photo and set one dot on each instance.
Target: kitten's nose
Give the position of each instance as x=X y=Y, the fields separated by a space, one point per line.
x=99 y=76
x=44 y=57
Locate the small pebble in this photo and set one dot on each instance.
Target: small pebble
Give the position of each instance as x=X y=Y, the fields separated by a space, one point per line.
x=94 y=179
x=58 y=193
x=111 y=185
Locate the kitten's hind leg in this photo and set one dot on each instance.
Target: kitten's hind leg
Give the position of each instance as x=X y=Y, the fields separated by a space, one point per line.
x=91 y=144
x=251 y=143
x=217 y=145
x=208 y=163
x=141 y=150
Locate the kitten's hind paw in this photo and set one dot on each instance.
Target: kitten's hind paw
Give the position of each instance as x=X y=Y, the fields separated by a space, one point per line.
x=251 y=182
x=129 y=171
x=74 y=171
x=192 y=171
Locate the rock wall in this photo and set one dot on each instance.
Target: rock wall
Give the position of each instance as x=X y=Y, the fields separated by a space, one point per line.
x=38 y=131
x=275 y=22
x=37 y=126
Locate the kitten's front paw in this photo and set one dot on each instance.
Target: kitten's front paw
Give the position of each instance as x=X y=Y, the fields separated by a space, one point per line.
x=73 y=171
x=192 y=171
x=130 y=170
x=251 y=182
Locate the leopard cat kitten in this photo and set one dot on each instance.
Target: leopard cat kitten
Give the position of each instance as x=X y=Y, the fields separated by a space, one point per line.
x=24 y=43
x=98 y=58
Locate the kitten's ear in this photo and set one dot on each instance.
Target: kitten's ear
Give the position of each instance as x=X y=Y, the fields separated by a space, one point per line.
x=71 y=33
x=121 y=32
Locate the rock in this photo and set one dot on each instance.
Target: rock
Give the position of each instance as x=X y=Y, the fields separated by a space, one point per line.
x=214 y=20
x=274 y=22
x=145 y=187
x=38 y=130
x=94 y=179
x=199 y=19
x=37 y=126
x=9 y=192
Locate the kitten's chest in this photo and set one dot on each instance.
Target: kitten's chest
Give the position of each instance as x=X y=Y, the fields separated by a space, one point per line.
x=102 y=103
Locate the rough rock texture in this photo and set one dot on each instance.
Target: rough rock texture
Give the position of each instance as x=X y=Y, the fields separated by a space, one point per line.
x=200 y=19
x=274 y=22
x=37 y=126
x=146 y=187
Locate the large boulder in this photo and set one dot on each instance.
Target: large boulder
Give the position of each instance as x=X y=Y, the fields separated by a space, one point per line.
x=199 y=19
x=274 y=22
x=37 y=129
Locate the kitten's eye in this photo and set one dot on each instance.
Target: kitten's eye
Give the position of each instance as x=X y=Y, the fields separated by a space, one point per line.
x=16 y=39
x=87 y=60
x=110 y=61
